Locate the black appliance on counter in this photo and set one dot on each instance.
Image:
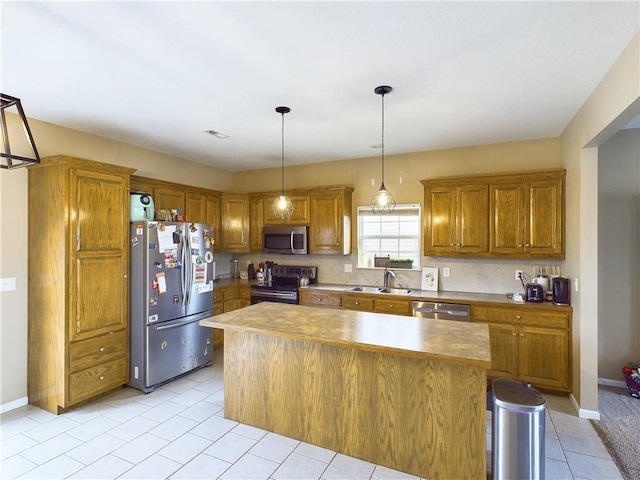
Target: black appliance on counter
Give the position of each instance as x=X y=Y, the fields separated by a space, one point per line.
x=283 y=287
x=534 y=293
x=561 y=289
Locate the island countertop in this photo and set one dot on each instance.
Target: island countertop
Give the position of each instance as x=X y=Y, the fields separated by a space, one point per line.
x=463 y=343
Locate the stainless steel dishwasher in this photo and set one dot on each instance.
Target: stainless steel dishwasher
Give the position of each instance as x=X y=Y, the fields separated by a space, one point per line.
x=441 y=311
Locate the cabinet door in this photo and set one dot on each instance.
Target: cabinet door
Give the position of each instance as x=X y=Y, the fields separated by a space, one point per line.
x=440 y=217
x=544 y=235
x=326 y=230
x=300 y=215
x=544 y=357
x=508 y=215
x=256 y=211
x=472 y=219
x=168 y=199
x=98 y=286
x=235 y=224
x=504 y=351
x=213 y=217
x=195 y=208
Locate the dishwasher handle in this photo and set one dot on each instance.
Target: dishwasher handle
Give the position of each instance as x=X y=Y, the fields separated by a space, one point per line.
x=441 y=311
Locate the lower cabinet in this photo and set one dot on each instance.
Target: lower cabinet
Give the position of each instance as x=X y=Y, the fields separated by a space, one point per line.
x=316 y=298
x=359 y=301
x=227 y=298
x=529 y=345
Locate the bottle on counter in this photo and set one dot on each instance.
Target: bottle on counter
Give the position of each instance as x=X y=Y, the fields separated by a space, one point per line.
x=251 y=271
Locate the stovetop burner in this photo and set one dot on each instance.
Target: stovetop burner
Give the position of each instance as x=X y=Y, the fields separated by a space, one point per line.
x=285 y=277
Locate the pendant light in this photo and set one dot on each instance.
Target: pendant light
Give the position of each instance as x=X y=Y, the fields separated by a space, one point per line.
x=282 y=206
x=382 y=201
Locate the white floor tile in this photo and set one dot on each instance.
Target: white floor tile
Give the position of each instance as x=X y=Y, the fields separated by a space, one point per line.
x=14 y=445
x=343 y=467
x=214 y=427
x=202 y=466
x=323 y=454
x=140 y=448
x=50 y=429
x=163 y=411
x=173 y=428
x=59 y=467
x=211 y=386
x=133 y=428
x=185 y=448
x=249 y=431
x=230 y=447
x=127 y=411
x=92 y=428
x=556 y=470
x=89 y=411
x=51 y=448
x=154 y=467
x=180 y=385
x=108 y=467
x=95 y=448
x=250 y=467
x=553 y=449
x=595 y=468
x=17 y=426
x=384 y=473
x=584 y=444
x=40 y=415
x=274 y=447
x=200 y=411
x=216 y=398
x=299 y=467
x=156 y=397
x=190 y=397
x=16 y=466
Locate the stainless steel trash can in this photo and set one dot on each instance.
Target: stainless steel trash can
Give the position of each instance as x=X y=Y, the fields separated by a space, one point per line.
x=517 y=431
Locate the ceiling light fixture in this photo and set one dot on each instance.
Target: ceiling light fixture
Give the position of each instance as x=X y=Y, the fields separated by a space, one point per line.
x=216 y=134
x=12 y=160
x=382 y=201
x=282 y=206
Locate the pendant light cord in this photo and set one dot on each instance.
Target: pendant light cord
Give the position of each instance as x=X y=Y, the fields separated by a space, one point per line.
x=382 y=139
x=282 y=169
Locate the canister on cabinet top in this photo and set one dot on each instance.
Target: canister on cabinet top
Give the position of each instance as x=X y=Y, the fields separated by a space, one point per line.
x=234 y=268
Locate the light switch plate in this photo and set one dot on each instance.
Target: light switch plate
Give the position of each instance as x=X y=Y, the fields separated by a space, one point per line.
x=7 y=284
x=348 y=268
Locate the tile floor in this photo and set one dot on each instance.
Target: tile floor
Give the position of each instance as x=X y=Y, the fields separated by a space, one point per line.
x=178 y=431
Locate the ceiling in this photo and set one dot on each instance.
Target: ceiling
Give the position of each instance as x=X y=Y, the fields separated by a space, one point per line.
x=158 y=74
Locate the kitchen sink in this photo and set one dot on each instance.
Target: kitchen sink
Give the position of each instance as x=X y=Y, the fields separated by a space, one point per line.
x=389 y=290
x=396 y=291
x=364 y=289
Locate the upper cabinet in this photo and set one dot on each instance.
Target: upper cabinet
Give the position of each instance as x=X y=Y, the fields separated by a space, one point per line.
x=330 y=226
x=235 y=223
x=516 y=216
x=301 y=210
x=456 y=219
x=257 y=212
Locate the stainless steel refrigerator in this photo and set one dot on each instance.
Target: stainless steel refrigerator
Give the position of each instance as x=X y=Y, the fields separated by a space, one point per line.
x=171 y=279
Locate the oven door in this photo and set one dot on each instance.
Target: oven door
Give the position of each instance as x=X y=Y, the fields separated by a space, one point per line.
x=259 y=295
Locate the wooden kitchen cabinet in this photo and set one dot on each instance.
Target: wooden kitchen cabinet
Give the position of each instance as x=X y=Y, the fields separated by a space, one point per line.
x=527 y=215
x=165 y=198
x=393 y=306
x=256 y=221
x=235 y=223
x=498 y=216
x=362 y=303
x=330 y=228
x=456 y=218
x=317 y=298
x=226 y=299
x=78 y=281
x=529 y=344
x=301 y=210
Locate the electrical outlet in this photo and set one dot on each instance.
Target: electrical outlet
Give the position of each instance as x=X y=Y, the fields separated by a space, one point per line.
x=446 y=272
x=348 y=268
x=519 y=274
x=575 y=284
x=8 y=284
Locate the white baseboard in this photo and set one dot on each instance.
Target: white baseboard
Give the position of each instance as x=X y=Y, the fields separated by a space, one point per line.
x=7 y=407
x=583 y=412
x=612 y=383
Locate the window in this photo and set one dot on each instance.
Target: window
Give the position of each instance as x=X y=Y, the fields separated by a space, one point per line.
x=396 y=235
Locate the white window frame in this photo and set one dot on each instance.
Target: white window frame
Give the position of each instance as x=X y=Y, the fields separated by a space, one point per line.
x=400 y=210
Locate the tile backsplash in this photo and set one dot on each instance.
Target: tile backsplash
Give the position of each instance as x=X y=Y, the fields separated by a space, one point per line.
x=466 y=275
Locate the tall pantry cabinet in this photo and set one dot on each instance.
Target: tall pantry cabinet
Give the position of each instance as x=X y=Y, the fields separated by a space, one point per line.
x=78 y=285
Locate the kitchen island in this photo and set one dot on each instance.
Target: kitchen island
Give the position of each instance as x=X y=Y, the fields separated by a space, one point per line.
x=403 y=392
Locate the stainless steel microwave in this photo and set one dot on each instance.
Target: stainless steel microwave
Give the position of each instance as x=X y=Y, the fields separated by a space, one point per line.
x=285 y=240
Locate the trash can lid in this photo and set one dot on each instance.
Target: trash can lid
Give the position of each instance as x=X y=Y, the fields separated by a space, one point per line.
x=510 y=393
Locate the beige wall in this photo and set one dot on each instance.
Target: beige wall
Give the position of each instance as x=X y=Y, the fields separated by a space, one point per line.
x=613 y=103
x=618 y=253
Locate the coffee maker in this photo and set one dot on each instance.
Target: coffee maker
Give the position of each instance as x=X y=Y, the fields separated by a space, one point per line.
x=561 y=288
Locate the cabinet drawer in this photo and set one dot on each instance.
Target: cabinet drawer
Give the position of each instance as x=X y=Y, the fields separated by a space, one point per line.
x=244 y=291
x=320 y=299
x=97 y=350
x=357 y=302
x=95 y=380
x=397 y=307
x=218 y=308
x=541 y=318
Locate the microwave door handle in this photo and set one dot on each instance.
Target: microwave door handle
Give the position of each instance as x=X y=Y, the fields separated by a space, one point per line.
x=291 y=239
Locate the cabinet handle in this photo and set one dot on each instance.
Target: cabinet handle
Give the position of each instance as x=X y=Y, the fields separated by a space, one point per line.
x=527 y=245
x=102 y=349
x=452 y=245
x=515 y=334
x=518 y=317
x=391 y=307
x=125 y=275
x=522 y=334
x=357 y=303
x=101 y=377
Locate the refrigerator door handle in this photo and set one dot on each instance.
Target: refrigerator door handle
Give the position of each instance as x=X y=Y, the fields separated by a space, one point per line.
x=176 y=325
x=291 y=241
x=189 y=273
x=183 y=271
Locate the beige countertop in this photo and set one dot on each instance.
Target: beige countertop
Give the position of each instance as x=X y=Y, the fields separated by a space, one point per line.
x=463 y=343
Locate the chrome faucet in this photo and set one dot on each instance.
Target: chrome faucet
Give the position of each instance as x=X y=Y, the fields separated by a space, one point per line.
x=388 y=273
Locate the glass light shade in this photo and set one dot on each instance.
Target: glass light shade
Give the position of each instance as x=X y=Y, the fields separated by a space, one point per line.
x=382 y=201
x=282 y=207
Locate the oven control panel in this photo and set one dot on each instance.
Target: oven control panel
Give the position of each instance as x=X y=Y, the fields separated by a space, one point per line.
x=292 y=271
